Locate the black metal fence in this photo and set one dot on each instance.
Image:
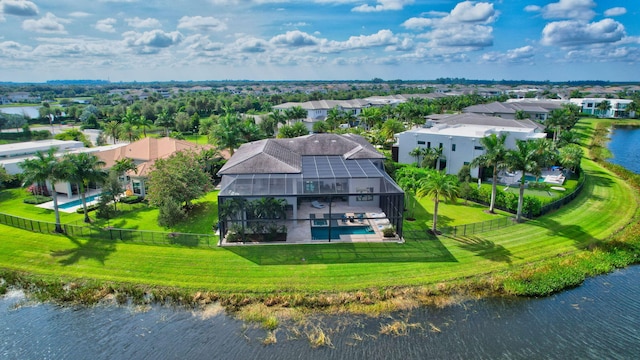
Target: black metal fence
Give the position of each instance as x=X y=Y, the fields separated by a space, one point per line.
x=475 y=228
x=113 y=234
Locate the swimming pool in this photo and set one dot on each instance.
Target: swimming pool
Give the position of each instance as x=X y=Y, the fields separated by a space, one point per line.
x=322 y=233
x=532 y=178
x=320 y=222
x=78 y=202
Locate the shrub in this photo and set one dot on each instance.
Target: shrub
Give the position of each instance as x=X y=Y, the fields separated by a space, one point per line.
x=133 y=199
x=90 y=208
x=389 y=231
x=36 y=199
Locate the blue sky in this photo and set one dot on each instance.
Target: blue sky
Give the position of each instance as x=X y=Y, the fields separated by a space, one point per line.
x=149 y=40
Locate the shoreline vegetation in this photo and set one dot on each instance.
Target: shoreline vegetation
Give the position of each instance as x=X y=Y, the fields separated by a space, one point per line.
x=537 y=258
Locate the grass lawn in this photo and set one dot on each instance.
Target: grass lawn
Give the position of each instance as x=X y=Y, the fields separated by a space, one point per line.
x=137 y=216
x=599 y=211
x=605 y=206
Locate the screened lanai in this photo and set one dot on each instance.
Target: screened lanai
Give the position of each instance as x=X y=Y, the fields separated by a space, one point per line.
x=331 y=191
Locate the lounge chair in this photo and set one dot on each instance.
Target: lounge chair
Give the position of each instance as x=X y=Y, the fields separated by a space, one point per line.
x=317 y=205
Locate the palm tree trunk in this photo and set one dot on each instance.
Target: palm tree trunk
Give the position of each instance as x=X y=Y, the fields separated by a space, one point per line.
x=435 y=215
x=520 y=199
x=494 y=189
x=84 y=207
x=56 y=211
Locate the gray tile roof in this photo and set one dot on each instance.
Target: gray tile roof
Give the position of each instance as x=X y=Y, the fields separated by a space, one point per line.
x=284 y=156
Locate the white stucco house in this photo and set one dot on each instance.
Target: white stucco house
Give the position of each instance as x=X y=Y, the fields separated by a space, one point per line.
x=617 y=109
x=459 y=137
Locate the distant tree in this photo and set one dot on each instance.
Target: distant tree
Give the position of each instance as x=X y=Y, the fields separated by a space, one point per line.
x=390 y=128
x=73 y=134
x=144 y=123
x=114 y=129
x=165 y=120
x=227 y=133
x=320 y=127
x=183 y=122
x=295 y=113
x=523 y=158
x=632 y=107
x=521 y=115
x=292 y=131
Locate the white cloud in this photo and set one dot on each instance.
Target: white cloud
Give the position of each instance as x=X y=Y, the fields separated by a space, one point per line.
x=79 y=14
x=151 y=41
x=381 y=38
x=383 y=5
x=464 y=12
x=202 y=23
x=573 y=32
x=605 y=55
x=616 y=11
x=18 y=8
x=106 y=25
x=465 y=27
x=567 y=9
x=295 y=38
x=49 y=24
x=139 y=23
x=523 y=54
x=297 y=24
x=250 y=44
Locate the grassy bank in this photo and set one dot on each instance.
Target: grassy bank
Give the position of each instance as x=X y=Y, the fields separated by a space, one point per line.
x=595 y=233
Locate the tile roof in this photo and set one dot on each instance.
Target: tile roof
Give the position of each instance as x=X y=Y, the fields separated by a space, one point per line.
x=284 y=156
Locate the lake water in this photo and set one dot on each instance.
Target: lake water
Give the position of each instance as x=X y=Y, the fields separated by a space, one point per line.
x=598 y=320
x=625 y=146
x=31 y=111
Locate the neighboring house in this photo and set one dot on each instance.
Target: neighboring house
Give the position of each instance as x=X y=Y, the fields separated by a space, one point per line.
x=340 y=171
x=535 y=109
x=144 y=154
x=318 y=110
x=459 y=138
x=4 y=100
x=22 y=97
x=11 y=155
x=617 y=110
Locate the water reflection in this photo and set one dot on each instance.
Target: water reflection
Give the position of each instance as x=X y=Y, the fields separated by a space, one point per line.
x=595 y=321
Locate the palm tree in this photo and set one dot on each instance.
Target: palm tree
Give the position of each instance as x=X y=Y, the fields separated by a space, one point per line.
x=129 y=131
x=84 y=168
x=604 y=106
x=494 y=156
x=295 y=113
x=632 y=107
x=416 y=152
x=113 y=128
x=521 y=115
x=226 y=134
x=144 y=124
x=523 y=158
x=438 y=185
x=570 y=157
x=370 y=117
x=45 y=167
x=165 y=120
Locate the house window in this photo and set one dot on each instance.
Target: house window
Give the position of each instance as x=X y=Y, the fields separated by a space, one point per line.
x=420 y=142
x=466 y=163
x=429 y=145
x=478 y=148
x=453 y=147
x=440 y=146
x=137 y=187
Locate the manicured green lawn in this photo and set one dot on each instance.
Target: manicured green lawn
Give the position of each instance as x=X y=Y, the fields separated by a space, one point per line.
x=606 y=205
x=601 y=209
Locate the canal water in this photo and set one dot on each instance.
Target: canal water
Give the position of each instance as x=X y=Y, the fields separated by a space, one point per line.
x=598 y=320
x=625 y=147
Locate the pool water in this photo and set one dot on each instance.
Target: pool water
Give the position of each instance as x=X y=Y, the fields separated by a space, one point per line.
x=322 y=233
x=533 y=178
x=320 y=222
x=78 y=202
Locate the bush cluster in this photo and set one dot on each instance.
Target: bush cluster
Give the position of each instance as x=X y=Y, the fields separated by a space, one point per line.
x=133 y=199
x=36 y=199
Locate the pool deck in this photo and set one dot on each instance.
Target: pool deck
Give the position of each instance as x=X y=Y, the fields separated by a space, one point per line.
x=65 y=199
x=299 y=231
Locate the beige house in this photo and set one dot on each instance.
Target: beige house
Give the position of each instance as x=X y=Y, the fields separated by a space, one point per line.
x=144 y=154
